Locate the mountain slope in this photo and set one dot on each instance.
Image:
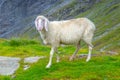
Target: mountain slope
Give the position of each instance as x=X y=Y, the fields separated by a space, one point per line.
x=17 y=17
x=107 y=20
x=104 y=13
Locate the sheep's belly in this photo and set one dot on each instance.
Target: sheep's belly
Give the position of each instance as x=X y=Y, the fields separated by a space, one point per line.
x=70 y=35
x=69 y=40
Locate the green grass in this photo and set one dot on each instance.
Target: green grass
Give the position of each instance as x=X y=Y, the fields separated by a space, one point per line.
x=99 y=68
x=22 y=48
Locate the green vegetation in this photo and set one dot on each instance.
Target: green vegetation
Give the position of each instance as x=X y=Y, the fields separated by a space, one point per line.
x=99 y=68
x=21 y=48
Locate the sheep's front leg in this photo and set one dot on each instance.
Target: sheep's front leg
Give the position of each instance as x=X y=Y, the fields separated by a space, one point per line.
x=50 y=59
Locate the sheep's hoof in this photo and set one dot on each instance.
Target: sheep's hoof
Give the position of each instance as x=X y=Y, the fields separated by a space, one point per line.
x=87 y=60
x=57 y=61
x=71 y=59
x=48 y=66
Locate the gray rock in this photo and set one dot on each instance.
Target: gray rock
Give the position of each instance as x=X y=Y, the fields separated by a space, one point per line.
x=26 y=67
x=112 y=53
x=33 y=59
x=85 y=55
x=8 y=65
x=17 y=16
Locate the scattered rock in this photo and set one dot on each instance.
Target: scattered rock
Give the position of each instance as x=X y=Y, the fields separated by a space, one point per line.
x=85 y=55
x=26 y=67
x=111 y=53
x=82 y=55
x=8 y=65
x=105 y=53
x=13 y=76
x=33 y=59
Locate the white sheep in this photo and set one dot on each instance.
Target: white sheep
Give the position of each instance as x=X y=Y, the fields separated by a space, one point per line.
x=65 y=32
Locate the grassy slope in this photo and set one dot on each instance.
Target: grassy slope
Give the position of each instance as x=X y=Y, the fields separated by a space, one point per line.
x=106 y=17
x=104 y=14
x=107 y=20
x=99 y=68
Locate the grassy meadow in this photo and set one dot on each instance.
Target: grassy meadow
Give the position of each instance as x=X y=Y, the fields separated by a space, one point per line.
x=104 y=67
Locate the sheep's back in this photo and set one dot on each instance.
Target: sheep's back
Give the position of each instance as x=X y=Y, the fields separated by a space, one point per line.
x=71 y=31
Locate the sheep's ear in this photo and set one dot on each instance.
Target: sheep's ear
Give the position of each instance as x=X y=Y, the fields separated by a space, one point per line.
x=39 y=24
x=46 y=24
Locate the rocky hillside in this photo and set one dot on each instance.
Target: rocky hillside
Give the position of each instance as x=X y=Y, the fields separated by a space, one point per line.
x=17 y=18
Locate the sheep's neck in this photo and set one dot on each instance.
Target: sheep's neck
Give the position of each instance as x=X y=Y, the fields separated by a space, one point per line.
x=44 y=36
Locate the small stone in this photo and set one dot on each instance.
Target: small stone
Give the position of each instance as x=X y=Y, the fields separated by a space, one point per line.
x=13 y=76
x=83 y=55
x=26 y=67
x=112 y=53
x=33 y=59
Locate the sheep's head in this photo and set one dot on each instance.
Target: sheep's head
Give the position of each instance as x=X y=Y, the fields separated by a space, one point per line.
x=41 y=23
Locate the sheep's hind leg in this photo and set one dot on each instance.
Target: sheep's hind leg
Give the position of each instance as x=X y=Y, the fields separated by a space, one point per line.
x=88 y=40
x=89 y=53
x=76 y=51
x=90 y=46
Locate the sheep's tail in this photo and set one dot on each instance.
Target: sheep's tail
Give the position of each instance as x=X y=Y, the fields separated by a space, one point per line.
x=90 y=27
x=89 y=31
